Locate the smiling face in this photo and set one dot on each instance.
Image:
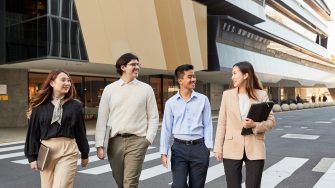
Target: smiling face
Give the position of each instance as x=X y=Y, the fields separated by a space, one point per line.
x=188 y=80
x=131 y=69
x=61 y=85
x=239 y=79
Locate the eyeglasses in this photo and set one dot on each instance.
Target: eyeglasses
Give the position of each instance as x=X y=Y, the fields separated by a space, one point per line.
x=134 y=64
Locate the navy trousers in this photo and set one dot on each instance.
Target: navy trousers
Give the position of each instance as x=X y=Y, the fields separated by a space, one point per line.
x=189 y=160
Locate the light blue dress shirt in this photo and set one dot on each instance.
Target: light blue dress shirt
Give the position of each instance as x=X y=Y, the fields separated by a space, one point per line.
x=186 y=120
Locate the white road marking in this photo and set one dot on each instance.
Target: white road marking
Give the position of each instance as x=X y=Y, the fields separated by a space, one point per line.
x=328 y=179
x=301 y=136
x=323 y=122
x=323 y=165
x=106 y=168
x=11 y=143
x=280 y=171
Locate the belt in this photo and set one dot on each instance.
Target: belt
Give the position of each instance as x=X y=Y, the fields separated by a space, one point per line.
x=124 y=135
x=189 y=142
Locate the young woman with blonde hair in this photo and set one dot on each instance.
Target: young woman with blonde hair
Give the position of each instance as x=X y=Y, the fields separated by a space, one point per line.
x=56 y=120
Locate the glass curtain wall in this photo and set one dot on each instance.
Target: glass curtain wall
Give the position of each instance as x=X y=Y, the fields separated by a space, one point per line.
x=43 y=28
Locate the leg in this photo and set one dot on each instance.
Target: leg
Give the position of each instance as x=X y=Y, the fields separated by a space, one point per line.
x=179 y=165
x=199 y=162
x=115 y=152
x=254 y=170
x=66 y=167
x=133 y=160
x=233 y=170
x=47 y=175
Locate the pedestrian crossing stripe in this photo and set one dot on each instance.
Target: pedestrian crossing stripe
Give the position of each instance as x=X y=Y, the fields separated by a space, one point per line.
x=272 y=176
x=328 y=178
x=12 y=143
x=283 y=169
x=25 y=161
x=106 y=168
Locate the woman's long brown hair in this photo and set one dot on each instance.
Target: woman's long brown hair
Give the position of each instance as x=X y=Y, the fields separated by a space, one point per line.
x=253 y=82
x=45 y=93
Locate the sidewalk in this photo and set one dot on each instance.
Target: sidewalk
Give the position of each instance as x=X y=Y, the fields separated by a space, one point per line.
x=14 y=134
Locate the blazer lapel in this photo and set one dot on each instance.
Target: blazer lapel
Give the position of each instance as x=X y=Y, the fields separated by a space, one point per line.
x=236 y=106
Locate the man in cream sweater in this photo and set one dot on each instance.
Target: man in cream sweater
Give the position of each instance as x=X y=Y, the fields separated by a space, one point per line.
x=127 y=122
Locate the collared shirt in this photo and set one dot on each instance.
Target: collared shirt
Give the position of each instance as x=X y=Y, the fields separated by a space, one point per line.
x=186 y=120
x=127 y=108
x=122 y=82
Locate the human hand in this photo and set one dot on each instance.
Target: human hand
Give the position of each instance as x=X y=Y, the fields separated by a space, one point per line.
x=33 y=165
x=100 y=153
x=164 y=160
x=218 y=156
x=84 y=162
x=248 y=123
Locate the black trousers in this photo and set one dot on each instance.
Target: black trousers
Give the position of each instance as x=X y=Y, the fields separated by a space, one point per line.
x=233 y=171
x=189 y=160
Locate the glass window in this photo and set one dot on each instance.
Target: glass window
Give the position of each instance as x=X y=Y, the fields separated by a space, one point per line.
x=42 y=37
x=169 y=89
x=74 y=46
x=53 y=37
x=82 y=49
x=41 y=7
x=78 y=84
x=66 y=8
x=156 y=85
x=54 y=4
x=65 y=39
x=93 y=90
x=35 y=82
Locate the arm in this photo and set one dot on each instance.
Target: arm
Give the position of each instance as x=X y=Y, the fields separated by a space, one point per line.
x=166 y=133
x=208 y=126
x=264 y=126
x=33 y=137
x=103 y=115
x=80 y=132
x=152 y=114
x=221 y=128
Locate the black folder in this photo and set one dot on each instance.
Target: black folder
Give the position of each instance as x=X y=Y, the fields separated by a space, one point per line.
x=258 y=112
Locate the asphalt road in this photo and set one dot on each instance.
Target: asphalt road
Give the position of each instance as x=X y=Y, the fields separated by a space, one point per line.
x=304 y=162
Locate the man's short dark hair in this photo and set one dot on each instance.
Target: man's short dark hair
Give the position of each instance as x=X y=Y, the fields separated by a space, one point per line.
x=179 y=72
x=124 y=60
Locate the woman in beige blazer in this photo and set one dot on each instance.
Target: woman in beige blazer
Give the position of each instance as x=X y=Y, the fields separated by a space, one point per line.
x=230 y=145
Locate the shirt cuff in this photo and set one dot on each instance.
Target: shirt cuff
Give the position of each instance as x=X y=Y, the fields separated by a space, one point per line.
x=209 y=144
x=32 y=159
x=84 y=156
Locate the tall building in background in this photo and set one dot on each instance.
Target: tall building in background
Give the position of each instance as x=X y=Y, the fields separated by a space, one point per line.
x=285 y=40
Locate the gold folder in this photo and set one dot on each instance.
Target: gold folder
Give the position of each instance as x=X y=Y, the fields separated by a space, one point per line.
x=42 y=157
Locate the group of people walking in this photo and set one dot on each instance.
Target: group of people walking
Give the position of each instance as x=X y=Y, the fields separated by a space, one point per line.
x=128 y=121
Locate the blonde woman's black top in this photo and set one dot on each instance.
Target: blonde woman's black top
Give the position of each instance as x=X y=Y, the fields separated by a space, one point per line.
x=73 y=126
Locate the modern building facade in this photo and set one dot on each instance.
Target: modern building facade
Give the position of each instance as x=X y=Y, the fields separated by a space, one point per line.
x=286 y=41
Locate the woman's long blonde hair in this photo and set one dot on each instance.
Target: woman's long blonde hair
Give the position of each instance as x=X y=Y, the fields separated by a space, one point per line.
x=46 y=91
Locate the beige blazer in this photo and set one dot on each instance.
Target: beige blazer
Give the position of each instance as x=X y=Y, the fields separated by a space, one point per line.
x=229 y=140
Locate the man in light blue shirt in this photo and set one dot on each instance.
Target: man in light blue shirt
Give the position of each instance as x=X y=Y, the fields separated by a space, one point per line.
x=187 y=117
